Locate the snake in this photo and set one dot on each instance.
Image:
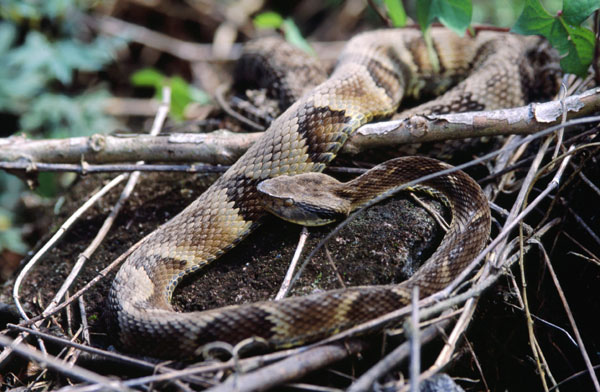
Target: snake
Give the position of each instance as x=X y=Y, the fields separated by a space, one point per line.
x=372 y=75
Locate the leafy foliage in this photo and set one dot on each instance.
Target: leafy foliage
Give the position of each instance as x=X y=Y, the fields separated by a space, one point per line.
x=33 y=68
x=182 y=93
x=563 y=31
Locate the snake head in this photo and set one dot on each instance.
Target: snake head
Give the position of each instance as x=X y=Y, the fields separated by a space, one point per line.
x=309 y=199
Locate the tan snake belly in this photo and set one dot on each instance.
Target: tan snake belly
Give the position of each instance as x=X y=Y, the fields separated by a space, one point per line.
x=374 y=72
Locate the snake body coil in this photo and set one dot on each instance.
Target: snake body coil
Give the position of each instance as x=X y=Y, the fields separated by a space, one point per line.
x=374 y=72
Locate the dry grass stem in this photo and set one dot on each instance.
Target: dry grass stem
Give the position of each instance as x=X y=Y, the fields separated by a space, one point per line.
x=285 y=285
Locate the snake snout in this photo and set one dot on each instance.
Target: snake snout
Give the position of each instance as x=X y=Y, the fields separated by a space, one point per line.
x=289 y=198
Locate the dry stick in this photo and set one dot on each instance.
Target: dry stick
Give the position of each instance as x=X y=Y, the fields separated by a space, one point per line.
x=438 y=218
x=249 y=363
x=311 y=387
x=223 y=147
x=477 y=364
x=563 y=299
x=561 y=132
x=59 y=233
x=414 y=339
x=365 y=382
x=521 y=200
x=86 y=168
x=333 y=267
x=58 y=365
x=42 y=374
x=217 y=147
x=290 y=368
x=591 y=255
x=85 y=329
x=285 y=285
x=523 y=120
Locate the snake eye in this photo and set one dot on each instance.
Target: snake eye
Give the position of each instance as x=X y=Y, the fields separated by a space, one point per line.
x=288 y=202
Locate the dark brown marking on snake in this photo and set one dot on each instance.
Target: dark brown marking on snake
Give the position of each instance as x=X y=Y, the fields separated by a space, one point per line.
x=244 y=197
x=442 y=60
x=384 y=77
x=315 y=126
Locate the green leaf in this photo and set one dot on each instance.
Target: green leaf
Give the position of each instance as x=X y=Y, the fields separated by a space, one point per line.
x=396 y=12
x=454 y=14
x=580 y=51
x=180 y=96
x=294 y=36
x=268 y=20
x=148 y=77
x=534 y=20
x=576 y=11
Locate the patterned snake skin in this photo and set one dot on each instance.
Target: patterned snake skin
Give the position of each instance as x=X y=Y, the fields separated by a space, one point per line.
x=373 y=73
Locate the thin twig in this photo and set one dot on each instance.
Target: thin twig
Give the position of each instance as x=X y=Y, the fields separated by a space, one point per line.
x=415 y=341
x=334 y=267
x=285 y=285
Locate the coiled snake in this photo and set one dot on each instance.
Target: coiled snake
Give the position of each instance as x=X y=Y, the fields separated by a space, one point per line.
x=373 y=73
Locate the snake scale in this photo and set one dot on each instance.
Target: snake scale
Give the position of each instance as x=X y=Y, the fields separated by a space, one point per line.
x=374 y=72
